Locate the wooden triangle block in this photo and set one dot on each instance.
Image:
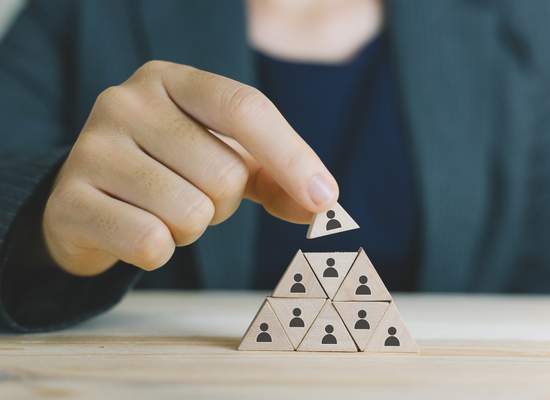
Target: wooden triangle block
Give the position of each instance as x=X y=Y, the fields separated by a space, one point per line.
x=361 y=318
x=335 y=220
x=296 y=315
x=328 y=333
x=330 y=268
x=265 y=332
x=299 y=281
x=392 y=335
x=362 y=283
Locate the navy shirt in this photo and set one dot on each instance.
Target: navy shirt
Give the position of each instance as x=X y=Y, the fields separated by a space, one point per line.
x=348 y=114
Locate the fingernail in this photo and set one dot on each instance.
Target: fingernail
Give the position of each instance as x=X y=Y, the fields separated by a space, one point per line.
x=320 y=192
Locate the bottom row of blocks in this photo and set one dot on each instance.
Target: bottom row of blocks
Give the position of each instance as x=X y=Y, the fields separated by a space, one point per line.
x=287 y=324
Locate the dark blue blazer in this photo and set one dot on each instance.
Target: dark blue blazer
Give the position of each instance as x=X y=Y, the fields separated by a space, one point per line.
x=474 y=90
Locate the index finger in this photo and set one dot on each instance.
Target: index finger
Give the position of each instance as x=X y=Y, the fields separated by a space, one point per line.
x=245 y=114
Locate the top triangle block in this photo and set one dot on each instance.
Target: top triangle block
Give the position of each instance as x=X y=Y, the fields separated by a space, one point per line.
x=335 y=220
x=330 y=268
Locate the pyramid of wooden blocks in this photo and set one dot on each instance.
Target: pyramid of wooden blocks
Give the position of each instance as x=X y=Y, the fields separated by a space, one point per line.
x=329 y=302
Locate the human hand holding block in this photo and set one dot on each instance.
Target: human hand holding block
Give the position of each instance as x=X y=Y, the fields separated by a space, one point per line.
x=148 y=173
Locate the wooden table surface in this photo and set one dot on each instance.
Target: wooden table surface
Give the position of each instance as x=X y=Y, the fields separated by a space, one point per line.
x=182 y=345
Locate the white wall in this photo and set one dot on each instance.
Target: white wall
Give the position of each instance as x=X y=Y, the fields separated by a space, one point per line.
x=9 y=9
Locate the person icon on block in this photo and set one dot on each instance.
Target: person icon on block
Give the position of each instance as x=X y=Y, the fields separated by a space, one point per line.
x=297 y=322
x=392 y=340
x=363 y=289
x=264 y=337
x=332 y=223
x=330 y=272
x=362 y=323
x=329 y=338
x=298 y=287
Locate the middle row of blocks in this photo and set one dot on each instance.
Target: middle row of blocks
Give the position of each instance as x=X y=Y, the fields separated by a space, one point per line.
x=340 y=276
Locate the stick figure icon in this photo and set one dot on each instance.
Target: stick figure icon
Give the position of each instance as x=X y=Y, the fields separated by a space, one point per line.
x=332 y=222
x=264 y=337
x=330 y=272
x=297 y=322
x=363 y=289
x=329 y=338
x=362 y=323
x=298 y=287
x=392 y=340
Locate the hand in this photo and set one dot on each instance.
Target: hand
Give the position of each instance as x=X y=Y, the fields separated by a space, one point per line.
x=147 y=173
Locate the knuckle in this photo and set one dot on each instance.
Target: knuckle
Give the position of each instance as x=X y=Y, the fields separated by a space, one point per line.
x=119 y=108
x=153 y=67
x=195 y=215
x=115 y=107
x=293 y=157
x=91 y=151
x=232 y=181
x=148 y=80
x=91 y=146
x=112 y=97
x=154 y=242
x=243 y=104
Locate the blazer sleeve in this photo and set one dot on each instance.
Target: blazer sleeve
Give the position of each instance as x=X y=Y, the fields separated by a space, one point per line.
x=37 y=130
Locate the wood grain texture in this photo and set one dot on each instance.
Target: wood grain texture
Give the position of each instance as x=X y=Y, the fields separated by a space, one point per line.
x=265 y=332
x=175 y=344
x=322 y=225
x=331 y=268
x=296 y=315
x=362 y=282
x=361 y=318
x=299 y=281
x=328 y=333
x=392 y=335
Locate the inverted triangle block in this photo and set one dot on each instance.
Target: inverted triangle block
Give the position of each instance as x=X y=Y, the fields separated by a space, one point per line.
x=265 y=332
x=361 y=318
x=392 y=335
x=299 y=281
x=330 y=269
x=328 y=333
x=296 y=315
x=335 y=220
x=362 y=283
